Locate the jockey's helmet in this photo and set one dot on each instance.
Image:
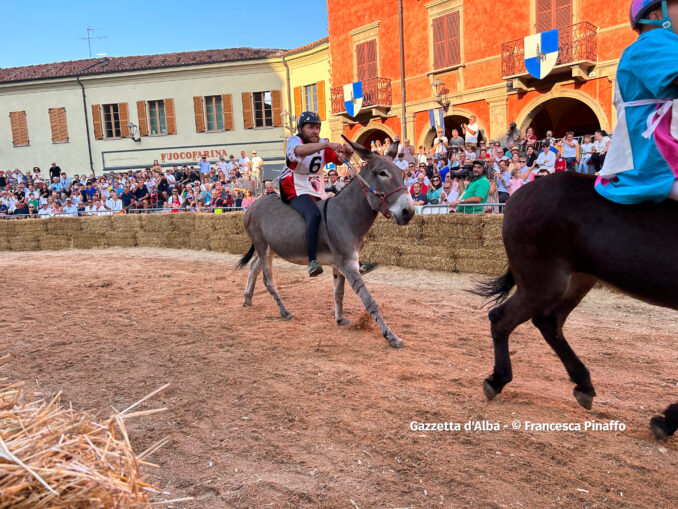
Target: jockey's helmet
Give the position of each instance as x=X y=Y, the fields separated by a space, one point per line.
x=641 y=8
x=308 y=117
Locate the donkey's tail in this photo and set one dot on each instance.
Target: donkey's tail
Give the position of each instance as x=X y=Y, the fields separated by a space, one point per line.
x=496 y=290
x=246 y=258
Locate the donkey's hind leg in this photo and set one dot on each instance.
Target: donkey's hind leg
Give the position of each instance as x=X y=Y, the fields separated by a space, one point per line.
x=550 y=323
x=255 y=270
x=266 y=258
x=664 y=426
x=339 y=280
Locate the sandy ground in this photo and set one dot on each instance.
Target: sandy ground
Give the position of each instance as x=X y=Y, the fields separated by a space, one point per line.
x=266 y=413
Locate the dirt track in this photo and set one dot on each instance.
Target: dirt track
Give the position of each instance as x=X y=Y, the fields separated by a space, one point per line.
x=266 y=413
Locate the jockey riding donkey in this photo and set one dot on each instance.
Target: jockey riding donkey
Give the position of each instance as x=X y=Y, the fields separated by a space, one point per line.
x=340 y=222
x=562 y=235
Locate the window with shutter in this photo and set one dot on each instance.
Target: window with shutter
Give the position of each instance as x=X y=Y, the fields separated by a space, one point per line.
x=247 y=110
x=366 y=60
x=157 y=120
x=446 y=41
x=19 y=126
x=111 y=124
x=276 y=107
x=143 y=118
x=170 y=119
x=298 y=108
x=57 y=121
x=96 y=122
x=124 y=120
x=262 y=109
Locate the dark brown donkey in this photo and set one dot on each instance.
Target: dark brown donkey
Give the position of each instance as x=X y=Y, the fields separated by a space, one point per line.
x=561 y=237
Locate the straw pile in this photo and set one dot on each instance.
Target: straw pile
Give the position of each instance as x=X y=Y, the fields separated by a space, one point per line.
x=92 y=233
x=7 y=231
x=56 y=457
x=121 y=239
x=63 y=225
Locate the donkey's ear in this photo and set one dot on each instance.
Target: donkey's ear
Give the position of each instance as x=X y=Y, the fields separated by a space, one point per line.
x=363 y=152
x=393 y=151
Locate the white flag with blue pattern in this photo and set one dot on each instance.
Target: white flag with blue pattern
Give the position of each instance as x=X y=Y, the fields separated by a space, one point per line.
x=541 y=53
x=353 y=97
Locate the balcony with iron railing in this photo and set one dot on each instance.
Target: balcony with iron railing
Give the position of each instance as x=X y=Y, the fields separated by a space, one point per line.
x=578 y=50
x=377 y=96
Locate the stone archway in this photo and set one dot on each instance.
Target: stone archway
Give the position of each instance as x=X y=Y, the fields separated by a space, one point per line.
x=561 y=111
x=370 y=132
x=453 y=120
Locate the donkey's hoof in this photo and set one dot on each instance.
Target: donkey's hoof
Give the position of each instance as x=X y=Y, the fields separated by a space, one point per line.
x=287 y=316
x=659 y=428
x=247 y=304
x=343 y=321
x=394 y=341
x=583 y=398
x=489 y=391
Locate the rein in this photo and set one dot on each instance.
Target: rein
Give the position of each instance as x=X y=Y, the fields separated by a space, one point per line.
x=367 y=188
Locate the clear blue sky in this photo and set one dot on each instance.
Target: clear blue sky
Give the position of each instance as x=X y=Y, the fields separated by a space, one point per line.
x=41 y=31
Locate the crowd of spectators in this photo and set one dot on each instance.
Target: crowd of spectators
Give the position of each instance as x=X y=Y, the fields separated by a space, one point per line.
x=229 y=184
x=458 y=171
x=446 y=173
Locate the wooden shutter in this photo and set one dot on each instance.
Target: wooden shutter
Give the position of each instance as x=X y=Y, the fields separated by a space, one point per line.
x=143 y=119
x=276 y=100
x=96 y=122
x=453 y=43
x=247 y=110
x=123 y=113
x=57 y=121
x=199 y=115
x=227 y=105
x=545 y=15
x=170 y=119
x=17 y=120
x=439 y=43
x=297 y=101
x=371 y=59
x=360 y=56
x=562 y=13
x=322 y=109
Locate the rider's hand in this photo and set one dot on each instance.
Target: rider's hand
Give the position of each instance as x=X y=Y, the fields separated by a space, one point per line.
x=337 y=147
x=348 y=150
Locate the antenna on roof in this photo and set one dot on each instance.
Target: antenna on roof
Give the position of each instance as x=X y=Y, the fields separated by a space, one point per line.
x=89 y=39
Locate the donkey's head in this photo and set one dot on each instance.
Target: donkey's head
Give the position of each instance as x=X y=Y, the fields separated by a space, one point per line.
x=388 y=194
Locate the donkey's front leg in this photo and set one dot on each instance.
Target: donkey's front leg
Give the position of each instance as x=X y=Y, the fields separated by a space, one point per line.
x=350 y=269
x=339 y=280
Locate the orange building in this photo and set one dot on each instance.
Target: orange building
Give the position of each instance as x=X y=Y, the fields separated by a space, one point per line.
x=468 y=57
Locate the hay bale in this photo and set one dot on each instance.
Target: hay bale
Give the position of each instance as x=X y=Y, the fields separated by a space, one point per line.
x=177 y=240
x=121 y=239
x=63 y=225
x=183 y=222
x=7 y=228
x=4 y=244
x=126 y=222
x=230 y=223
x=382 y=252
x=157 y=223
x=484 y=253
x=151 y=239
x=25 y=243
x=84 y=240
x=481 y=266
x=51 y=242
x=30 y=228
x=238 y=244
x=410 y=261
x=96 y=224
x=54 y=456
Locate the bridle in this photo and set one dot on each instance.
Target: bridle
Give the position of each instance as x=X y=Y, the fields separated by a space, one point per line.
x=367 y=188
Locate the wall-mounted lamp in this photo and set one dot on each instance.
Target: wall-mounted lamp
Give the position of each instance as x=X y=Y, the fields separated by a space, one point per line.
x=437 y=89
x=133 y=132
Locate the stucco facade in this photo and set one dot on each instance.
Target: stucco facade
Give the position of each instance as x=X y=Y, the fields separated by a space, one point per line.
x=278 y=72
x=476 y=83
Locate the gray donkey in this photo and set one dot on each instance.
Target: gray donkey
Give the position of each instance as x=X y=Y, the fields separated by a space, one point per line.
x=275 y=227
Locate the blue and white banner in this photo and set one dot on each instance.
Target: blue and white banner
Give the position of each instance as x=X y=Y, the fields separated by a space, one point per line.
x=541 y=53
x=437 y=118
x=353 y=98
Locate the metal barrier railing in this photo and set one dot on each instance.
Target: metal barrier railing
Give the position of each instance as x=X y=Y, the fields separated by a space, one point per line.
x=495 y=208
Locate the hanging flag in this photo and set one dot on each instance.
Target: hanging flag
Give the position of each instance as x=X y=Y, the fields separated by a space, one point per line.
x=353 y=98
x=437 y=118
x=541 y=53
